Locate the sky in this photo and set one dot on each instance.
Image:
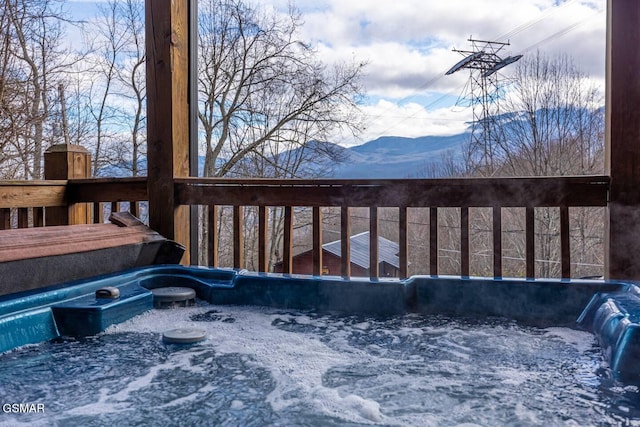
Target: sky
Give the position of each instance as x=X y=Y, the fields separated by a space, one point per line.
x=408 y=46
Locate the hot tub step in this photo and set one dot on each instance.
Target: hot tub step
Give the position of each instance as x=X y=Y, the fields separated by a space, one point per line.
x=90 y=315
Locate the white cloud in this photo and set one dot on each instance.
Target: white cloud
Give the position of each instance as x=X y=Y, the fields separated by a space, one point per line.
x=386 y=118
x=408 y=45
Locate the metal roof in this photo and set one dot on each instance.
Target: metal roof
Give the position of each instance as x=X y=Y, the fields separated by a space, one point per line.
x=387 y=250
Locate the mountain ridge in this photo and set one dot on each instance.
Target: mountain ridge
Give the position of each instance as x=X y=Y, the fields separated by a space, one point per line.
x=398 y=157
x=384 y=157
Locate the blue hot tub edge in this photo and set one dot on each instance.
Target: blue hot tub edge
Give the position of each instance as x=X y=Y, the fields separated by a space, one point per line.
x=614 y=318
x=610 y=310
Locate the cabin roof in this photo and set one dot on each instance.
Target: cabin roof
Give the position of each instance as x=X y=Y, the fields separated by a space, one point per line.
x=387 y=250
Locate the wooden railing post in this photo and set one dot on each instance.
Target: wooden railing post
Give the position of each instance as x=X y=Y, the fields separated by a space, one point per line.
x=167 y=46
x=317 y=241
x=622 y=151
x=67 y=161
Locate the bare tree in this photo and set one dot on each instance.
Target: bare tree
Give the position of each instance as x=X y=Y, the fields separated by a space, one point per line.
x=557 y=128
x=552 y=124
x=266 y=101
x=262 y=89
x=132 y=79
x=117 y=91
x=108 y=42
x=33 y=65
x=556 y=121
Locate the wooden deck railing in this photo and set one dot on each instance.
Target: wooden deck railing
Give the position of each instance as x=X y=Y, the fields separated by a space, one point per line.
x=494 y=193
x=36 y=203
x=27 y=199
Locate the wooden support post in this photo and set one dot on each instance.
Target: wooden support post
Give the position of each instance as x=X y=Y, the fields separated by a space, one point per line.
x=98 y=213
x=23 y=217
x=167 y=47
x=38 y=217
x=67 y=161
x=134 y=208
x=622 y=151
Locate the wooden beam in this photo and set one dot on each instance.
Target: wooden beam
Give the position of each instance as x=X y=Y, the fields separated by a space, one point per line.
x=374 y=266
x=473 y=192
x=263 y=238
x=465 y=254
x=238 y=237
x=67 y=161
x=622 y=136
x=107 y=189
x=212 y=249
x=167 y=47
x=317 y=241
x=287 y=249
x=433 y=241
x=403 y=242
x=497 y=242
x=345 y=242
x=25 y=194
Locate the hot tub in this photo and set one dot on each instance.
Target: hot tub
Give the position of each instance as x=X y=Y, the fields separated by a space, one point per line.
x=381 y=320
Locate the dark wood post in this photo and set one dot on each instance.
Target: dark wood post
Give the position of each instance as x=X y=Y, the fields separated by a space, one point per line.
x=623 y=139
x=67 y=161
x=167 y=47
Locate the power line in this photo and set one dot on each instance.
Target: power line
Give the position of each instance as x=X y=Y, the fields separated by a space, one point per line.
x=544 y=15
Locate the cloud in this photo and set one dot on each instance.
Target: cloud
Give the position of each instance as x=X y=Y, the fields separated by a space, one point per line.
x=411 y=34
x=386 y=118
x=408 y=45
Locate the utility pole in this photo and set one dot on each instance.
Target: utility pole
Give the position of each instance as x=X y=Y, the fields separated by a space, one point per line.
x=483 y=62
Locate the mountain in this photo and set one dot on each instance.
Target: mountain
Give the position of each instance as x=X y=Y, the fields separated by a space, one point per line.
x=385 y=157
x=397 y=157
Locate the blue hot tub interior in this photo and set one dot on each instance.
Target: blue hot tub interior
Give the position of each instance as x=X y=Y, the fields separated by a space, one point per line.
x=610 y=310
